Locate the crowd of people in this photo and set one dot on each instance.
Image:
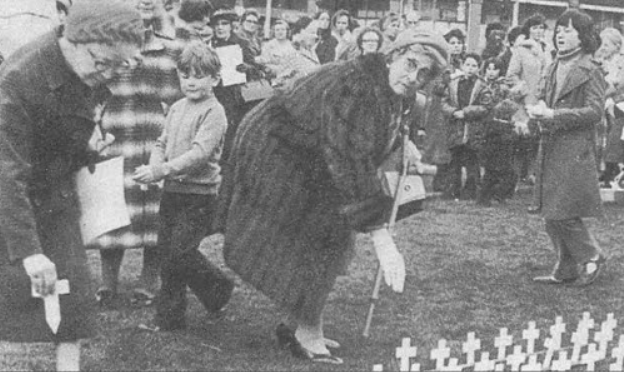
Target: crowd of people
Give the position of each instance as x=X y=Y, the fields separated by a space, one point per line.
x=285 y=164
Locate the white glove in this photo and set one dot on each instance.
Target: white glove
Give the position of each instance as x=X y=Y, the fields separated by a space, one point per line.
x=42 y=273
x=390 y=259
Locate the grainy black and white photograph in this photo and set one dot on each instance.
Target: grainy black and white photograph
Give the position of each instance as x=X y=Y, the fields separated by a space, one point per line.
x=312 y=185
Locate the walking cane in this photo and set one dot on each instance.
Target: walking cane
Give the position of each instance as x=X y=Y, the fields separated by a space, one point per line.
x=395 y=208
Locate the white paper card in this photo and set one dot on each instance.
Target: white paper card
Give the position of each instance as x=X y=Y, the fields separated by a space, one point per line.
x=230 y=57
x=102 y=200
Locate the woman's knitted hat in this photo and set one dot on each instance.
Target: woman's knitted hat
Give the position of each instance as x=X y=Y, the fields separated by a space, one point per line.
x=431 y=43
x=107 y=22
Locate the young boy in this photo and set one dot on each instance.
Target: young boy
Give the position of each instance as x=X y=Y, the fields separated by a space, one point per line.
x=499 y=179
x=186 y=157
x=466 y=103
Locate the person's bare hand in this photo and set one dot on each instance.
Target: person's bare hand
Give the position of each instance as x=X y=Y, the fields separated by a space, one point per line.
x=144 y=174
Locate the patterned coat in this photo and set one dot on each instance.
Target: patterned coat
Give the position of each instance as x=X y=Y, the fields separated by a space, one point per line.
x=567 y=180
x=135 y=116
x=304 y=176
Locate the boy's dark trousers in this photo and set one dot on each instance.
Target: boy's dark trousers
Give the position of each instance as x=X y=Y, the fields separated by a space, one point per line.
x=463 y=156
x=499 y=179
x=185 y=220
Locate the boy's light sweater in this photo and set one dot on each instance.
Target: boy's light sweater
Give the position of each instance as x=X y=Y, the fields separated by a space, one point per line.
x=188 y=151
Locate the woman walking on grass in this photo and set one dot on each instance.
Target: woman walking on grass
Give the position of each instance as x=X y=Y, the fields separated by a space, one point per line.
x=567 y=183
x=304 y=178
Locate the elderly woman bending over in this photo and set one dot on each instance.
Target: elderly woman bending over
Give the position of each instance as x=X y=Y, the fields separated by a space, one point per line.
x=304 y=179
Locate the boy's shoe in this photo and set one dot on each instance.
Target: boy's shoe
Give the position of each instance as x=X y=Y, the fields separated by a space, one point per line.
x=215 y=297
x=105 y=297
x=142 y=297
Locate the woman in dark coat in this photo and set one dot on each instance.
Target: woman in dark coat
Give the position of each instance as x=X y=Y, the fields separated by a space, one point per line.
x=49 y=94
x=567 y=182
x=304 y=178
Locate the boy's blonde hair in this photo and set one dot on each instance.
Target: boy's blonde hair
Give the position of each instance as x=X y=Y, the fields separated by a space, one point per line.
x=199 y=58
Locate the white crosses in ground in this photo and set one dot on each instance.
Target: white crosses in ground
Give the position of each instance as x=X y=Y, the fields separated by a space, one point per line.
x=404 y=353
x=516 y=359
x=591 y=357
x=605 y=335
x=530 y=335
x=485 y=364
x=440 y=354
x=580 y=338
x=553 y=343
x=556 y=357
x=501 y=342
x=470 y=347
x=618 y=354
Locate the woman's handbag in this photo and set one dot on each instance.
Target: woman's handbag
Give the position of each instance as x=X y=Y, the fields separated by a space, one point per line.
x=412 y=192
x=256 y=90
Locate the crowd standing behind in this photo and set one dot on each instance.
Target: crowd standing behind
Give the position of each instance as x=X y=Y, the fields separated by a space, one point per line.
x=490 y=120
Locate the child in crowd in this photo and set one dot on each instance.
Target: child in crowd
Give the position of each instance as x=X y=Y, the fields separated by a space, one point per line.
x=499 y=179
x=465 y=105
x=186 y=157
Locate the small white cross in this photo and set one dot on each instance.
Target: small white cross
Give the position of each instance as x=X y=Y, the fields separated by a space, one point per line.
x=501 y=342
x=485 y=364
x=591 y=357
x=580 y=338
x=516 y=359
x=556 y=330
x=404 y=353
x=586 y=322
x=440 y=354
x=470 y=347
x=530 y=335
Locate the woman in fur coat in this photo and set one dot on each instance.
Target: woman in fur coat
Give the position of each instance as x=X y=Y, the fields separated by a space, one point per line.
x=305 y=177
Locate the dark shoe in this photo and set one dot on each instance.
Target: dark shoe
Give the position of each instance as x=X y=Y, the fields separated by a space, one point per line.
x=550 y=279
x=216 y=295
x=105 y=296
x=285 y=336
x=142 y=297
x=590 y=270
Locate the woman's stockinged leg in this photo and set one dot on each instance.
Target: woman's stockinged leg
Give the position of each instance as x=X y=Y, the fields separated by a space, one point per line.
x=309 y=333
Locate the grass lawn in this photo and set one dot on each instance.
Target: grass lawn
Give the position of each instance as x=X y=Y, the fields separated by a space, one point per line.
x=469 y=270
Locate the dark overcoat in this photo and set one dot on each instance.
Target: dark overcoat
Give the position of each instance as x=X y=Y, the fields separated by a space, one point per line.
x=304 y=177
x=470 y=130
x=567 y=177
x=46 y=120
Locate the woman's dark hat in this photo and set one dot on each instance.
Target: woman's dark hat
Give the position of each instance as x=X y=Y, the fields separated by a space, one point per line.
x=226 y=14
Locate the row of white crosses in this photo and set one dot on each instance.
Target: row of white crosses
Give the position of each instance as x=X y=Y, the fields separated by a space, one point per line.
x=553 y=357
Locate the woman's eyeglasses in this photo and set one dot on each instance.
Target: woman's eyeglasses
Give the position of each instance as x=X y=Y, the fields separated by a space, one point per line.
x=104 y=63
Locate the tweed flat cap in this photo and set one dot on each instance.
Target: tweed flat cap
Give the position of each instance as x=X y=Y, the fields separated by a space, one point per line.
x=433 y=44
x=100 y=21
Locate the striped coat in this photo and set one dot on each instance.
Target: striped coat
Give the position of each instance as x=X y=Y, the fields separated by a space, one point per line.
x=135 y=116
